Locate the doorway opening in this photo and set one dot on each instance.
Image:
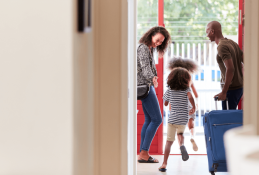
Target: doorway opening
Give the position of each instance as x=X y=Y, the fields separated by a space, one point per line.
x=186 y=21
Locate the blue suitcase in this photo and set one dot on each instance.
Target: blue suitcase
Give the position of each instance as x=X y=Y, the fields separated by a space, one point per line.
x=216 y=123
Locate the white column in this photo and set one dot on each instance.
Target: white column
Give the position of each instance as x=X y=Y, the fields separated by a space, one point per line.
x=193 y=50
x=172 y=50
x=215 y=61
x=188 y=51
x=199 y=109
x=210 y=63
x=205 y=54
x=193 y=56
x=183 y=50
x=177 y=49
x=199 y=60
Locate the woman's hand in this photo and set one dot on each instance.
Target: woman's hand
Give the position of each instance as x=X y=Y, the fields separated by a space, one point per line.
x=155 y=81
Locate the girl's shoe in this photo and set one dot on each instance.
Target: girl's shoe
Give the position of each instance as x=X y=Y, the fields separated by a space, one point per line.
x=162 y=169
x=185 y=155
x=194 y=145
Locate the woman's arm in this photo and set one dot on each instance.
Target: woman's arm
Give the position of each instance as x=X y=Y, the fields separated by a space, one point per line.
x=166 y=103
x=143 y=56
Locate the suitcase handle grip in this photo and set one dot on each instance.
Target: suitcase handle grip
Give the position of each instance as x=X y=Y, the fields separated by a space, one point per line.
x=216 y=99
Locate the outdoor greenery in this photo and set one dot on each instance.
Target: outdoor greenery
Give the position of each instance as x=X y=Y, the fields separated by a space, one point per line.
x=186 y=19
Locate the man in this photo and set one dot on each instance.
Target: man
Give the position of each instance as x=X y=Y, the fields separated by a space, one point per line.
x=230 y=61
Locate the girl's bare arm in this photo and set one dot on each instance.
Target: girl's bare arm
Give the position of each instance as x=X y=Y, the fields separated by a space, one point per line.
x=189 y=94
x=194 y=90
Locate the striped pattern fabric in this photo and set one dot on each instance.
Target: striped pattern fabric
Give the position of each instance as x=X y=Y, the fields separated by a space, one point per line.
x=178 y=100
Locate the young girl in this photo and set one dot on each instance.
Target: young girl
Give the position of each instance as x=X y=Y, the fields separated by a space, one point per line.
x=178 y=95
x=192 y=67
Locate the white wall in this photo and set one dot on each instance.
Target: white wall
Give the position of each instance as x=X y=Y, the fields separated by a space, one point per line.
x=36 y=99
x=63 y=107
x=132 y=84
x=251 y=64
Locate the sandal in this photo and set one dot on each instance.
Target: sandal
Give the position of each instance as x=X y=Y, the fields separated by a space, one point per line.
x=162 y=169
x=150 y=160
x=194 y=145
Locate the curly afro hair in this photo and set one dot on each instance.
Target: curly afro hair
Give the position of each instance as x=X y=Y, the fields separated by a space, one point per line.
x=188 y=64
x=147 y=38
x=179 y=79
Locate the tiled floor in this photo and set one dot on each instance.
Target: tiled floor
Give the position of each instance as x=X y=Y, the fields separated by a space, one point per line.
x=196 y=165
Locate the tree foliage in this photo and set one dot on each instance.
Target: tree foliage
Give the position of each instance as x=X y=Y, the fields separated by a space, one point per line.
x=186 y=20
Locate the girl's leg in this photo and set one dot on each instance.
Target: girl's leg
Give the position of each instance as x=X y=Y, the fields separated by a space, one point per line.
x=180 y=136
x=167 y=152
x=180 y=139
x=171 y=130
x=184 y=153
x=180 y=131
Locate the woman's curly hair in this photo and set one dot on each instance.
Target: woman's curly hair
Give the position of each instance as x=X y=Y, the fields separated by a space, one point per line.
x=188 y=64
x=147 y=38
x=179 y=79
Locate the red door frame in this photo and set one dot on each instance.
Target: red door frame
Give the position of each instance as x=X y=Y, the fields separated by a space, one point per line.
x=241 y=34
x=157 y=143
x=160 y=72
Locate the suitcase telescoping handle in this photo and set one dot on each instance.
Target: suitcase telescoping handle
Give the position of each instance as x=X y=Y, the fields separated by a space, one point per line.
x=216 y=99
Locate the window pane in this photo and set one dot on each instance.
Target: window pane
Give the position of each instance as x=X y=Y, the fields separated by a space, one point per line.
x=218 y=76
x=213 y=75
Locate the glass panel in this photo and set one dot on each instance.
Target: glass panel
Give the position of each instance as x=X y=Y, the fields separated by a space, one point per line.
x=213 y=75
x=202 y=75
x=196 y=77
x=218 y=76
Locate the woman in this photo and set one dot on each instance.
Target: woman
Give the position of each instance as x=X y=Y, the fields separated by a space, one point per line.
x=156 y=37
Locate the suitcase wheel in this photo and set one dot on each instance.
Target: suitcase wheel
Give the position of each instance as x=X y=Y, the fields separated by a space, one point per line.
x=212 y=173
x=215 y=166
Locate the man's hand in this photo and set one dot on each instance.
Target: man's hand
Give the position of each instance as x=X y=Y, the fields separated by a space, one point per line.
x=221 y=96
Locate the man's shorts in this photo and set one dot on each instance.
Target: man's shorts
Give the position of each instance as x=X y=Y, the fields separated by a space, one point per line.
x=171 y=130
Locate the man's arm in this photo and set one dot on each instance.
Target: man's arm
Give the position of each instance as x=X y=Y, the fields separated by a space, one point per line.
x=228 y=78
x=229 y=74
